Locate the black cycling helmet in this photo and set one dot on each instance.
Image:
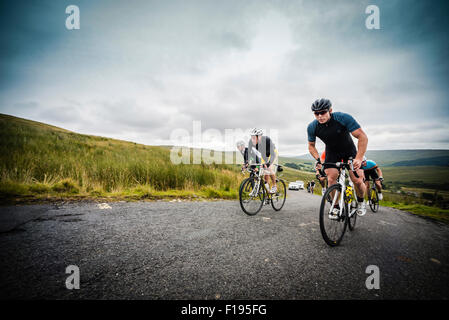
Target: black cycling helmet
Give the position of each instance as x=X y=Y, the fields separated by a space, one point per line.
x=321 y=104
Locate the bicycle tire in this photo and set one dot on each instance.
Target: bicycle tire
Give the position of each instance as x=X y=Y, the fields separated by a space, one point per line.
x=247 y=185
x=341 y=223
x=351 y=219
x=374 y=201
x=285 y=196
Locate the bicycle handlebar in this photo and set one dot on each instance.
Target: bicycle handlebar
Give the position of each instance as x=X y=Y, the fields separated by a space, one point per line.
x=252 y=167
x=349 y=166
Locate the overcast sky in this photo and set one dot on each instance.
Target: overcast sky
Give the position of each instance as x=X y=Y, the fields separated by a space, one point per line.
x=139 y=70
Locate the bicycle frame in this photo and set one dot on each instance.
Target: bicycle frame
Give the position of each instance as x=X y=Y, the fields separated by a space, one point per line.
x=342 y=183
x=259 y=175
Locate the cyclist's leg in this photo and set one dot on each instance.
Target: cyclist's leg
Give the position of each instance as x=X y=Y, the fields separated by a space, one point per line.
x=273 y=170
x=378 y=185
x=332 y=175
x=359 y=184
x=367 y=187
x=320 y=180
x=379 y=189
x=266 y=177
x=330 y=169
x=360 y=188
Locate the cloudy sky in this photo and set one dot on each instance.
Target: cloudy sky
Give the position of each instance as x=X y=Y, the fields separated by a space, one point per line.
x=145 y=71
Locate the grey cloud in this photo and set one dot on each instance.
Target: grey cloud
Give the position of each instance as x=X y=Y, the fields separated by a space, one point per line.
x=144 y=69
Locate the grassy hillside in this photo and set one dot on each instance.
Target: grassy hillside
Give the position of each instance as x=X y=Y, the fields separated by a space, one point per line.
x=295 y=163
x=42 y=161
x=431 y=177
x=435 y=161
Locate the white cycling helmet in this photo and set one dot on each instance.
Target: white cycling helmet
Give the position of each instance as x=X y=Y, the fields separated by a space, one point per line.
x=256 y=132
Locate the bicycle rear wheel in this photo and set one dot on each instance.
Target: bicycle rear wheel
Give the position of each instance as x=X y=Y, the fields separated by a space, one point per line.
x=332 y=225
x=278 y=199
x=250 y=201
x=374 y=201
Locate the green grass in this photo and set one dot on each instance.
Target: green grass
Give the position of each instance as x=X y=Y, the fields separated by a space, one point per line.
x=418 y=176
x=421 y=210
x=41 y=161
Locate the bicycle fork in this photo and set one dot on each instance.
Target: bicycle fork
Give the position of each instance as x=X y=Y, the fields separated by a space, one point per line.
x=255 y=191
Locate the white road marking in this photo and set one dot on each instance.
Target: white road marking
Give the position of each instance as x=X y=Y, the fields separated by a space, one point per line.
x=104 y=206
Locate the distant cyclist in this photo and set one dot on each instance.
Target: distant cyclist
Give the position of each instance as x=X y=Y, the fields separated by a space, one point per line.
x=244 y=152
x=335 y=130
x=310 y=186
x=263 y=148
x=372 y=171
x=320 y=174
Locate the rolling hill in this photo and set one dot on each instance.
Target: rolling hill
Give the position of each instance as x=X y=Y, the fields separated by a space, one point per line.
x=40 y=160
x=402 y=157
x=435 y=161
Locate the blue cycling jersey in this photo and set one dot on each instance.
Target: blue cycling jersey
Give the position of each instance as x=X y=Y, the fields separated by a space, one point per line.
x=370 y=164
x=336 y=135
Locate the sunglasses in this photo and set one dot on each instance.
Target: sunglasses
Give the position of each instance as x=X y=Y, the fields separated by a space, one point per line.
x=320 y=113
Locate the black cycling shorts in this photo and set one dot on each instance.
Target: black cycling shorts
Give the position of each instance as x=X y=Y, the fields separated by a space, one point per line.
x=371 y=174
x=337 y=157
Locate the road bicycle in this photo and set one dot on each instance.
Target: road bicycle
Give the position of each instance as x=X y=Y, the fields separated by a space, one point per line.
x=310 y=188
x=373 y=198
x=339 y=207
x=253 y=192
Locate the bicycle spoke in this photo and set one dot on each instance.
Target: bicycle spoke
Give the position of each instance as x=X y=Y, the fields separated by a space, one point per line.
x=332 y=217
x=251 y=196
x=278 y=199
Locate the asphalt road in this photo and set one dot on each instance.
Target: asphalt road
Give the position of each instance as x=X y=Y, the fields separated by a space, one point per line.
x=212 y=250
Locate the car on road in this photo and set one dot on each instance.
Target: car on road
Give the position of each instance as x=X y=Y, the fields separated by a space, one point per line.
x=296 y=185
x=301 y=184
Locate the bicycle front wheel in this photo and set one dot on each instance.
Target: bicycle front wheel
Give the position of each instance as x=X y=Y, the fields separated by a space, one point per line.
x=278 y=199
x=333 y=221
x=251 y=200
x=374 y=202
x=351 y=208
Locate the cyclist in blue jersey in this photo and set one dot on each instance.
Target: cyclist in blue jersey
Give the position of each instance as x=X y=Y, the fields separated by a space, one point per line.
x=372 y=171
x=335 y=130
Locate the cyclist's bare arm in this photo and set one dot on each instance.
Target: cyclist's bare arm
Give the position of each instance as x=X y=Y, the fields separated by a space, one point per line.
x=362 y=145
x=379 y=172
x=313 y=151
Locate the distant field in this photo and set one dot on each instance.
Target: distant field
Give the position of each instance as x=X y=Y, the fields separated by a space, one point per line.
x=290 y=175
x=304 y=165
x=419 y=176
x=388 y=157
